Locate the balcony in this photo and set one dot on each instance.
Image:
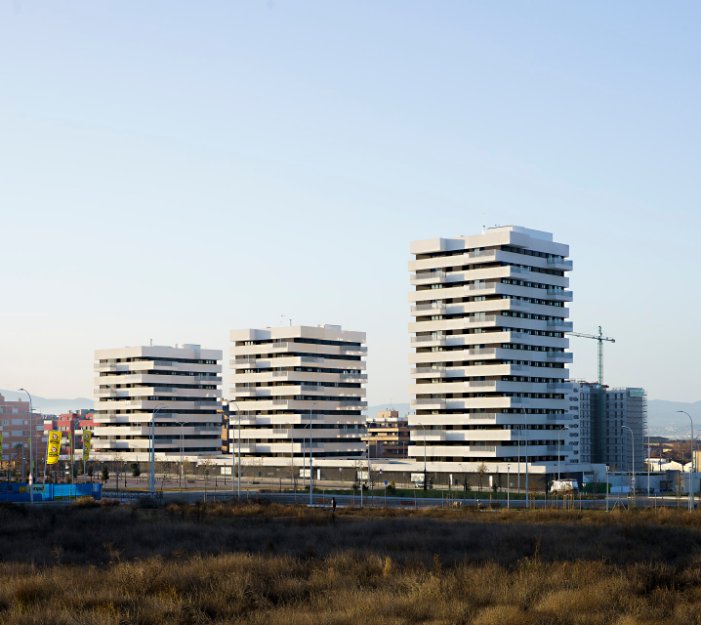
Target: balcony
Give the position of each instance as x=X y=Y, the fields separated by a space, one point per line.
x=559 y=356
x=428 y=277
x=429 y=402
x=560 y=295
x=556 y=262
x=429 y=308
x=437 y=371
x=560 y=325
x=423 y=341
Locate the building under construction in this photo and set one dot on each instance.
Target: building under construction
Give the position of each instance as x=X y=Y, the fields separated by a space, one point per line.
x=612 y=426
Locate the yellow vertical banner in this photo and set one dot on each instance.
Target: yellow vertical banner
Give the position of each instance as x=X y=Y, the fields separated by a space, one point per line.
x=54 y=447
x=87 y=436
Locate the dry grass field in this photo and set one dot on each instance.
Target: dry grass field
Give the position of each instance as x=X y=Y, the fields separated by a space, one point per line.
x=274 y=565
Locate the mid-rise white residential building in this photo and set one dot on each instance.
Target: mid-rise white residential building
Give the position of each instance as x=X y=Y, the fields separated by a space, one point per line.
x=295 y=388
x=176 y=388
x=490 y=352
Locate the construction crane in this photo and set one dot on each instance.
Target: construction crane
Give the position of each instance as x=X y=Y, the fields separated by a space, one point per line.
x=600 y=348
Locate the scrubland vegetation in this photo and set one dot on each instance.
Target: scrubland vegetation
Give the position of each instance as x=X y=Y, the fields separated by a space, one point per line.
x=269 y=564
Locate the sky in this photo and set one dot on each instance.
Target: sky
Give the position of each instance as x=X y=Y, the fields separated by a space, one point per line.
x=172 y=170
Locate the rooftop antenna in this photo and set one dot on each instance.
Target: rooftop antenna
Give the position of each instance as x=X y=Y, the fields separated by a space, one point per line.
x=283 y=317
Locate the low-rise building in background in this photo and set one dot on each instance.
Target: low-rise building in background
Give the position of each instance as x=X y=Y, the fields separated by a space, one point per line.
x=16 y=424
x=387 y=435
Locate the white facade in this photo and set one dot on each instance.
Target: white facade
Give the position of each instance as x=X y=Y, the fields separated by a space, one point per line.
x=489 y=364
x=296 y=384
x=177 y=387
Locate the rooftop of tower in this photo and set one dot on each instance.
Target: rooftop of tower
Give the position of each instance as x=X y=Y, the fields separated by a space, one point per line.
x=538 y=234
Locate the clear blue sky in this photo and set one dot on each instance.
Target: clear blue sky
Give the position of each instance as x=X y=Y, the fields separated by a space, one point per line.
x=171 y=170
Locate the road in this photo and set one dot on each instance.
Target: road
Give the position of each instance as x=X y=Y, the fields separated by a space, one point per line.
x=379 y=501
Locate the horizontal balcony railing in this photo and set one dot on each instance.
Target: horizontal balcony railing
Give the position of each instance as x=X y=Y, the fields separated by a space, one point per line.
x=429 y=307
x=428 y=276
x=560 y=294
x=425 y=402
x=560 y=324
x=422 y=340
x=560 y=263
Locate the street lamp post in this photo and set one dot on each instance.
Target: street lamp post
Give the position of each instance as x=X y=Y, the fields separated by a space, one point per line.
x=311 y=463
x=238 y=450
x=31 y=435
x=526 y=454
x=425 y=467
x=152 y=454
x=508 y=486
x=182 y=465
x=632 y=452
x=691 y=468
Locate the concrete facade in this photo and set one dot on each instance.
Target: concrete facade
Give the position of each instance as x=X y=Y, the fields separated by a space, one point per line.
x=179 y=388
x=296 y=388
x=604 y=413
x=490 y=353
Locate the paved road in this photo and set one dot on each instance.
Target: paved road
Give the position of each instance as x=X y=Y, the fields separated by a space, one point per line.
x=324 y=500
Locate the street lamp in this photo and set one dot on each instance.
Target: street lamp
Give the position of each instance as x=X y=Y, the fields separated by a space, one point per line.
x=508 y=486
x=423 y=425
x=152 y=460
x=311 y=460
x=526 y=454
x=238 y=453
x=691 y=468
x=632 y=453
x=607 y=487
x=182 y=427
x=31 y=425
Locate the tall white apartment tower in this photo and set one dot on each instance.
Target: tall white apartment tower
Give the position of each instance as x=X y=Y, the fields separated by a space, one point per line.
x=176 y=388
x=295 y=389
x=489 y=360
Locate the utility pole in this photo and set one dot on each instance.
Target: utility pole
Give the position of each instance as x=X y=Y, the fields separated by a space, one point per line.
x=691 y=468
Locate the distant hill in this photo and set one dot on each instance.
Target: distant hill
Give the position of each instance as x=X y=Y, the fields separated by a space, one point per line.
x=47 y=405
x=663 y=419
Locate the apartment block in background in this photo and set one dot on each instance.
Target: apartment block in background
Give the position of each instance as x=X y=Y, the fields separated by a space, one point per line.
x=490 y=352
x=15 y=428
x=178 y=388
x=298 y=387
x=613 y=425
x=387 y=435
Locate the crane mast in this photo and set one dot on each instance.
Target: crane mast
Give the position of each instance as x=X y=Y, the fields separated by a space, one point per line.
x=600 y=338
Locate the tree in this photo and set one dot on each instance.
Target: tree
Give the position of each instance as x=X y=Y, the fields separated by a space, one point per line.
x=135 y=469
x=481 y=472
x=105 y=473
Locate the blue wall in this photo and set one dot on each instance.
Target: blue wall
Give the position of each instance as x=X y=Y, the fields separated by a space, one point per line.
x=19 y=492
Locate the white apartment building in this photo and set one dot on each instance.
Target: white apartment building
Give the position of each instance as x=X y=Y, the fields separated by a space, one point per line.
x=176 y=388
x=490 y=371
x=296 y=388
